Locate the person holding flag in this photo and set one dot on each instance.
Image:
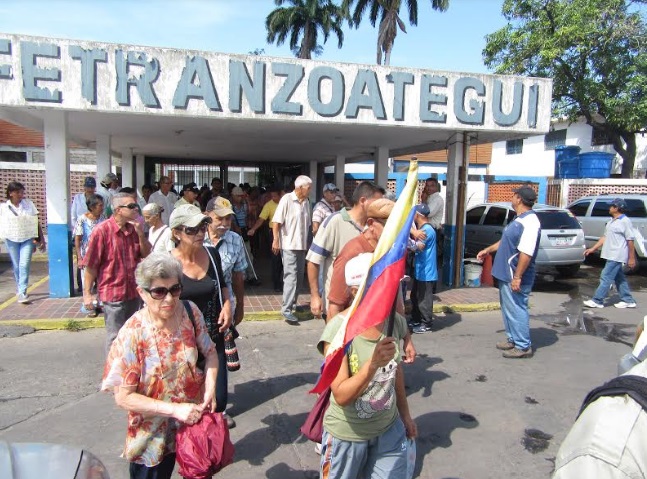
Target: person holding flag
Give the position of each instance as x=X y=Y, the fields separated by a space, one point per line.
x=368 y=421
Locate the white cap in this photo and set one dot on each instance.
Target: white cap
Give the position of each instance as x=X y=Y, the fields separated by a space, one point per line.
x=357 y=269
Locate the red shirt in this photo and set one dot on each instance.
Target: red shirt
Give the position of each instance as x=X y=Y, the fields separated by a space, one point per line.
x=339 y=293
x=114 y=254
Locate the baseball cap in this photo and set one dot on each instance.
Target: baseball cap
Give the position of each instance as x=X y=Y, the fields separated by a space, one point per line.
x=380 y=209
x=191 y=187
x=330 y=187
x=422 y=209
x=109 y=178
x=357 y=268
x=338 y=198
x=237 y=191
x=220 y=206
x=90 y=182
x=619 y=203
x=526 y=193
x=187 y=215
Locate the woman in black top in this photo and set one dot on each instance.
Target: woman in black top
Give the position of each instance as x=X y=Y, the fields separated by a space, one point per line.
x=203 y=283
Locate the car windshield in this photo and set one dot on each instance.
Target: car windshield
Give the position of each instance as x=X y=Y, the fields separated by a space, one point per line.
x=557 y=220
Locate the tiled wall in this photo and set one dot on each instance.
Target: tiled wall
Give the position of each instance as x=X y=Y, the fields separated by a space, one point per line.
x=34 y=182
x=503 y=191
x=576 y=191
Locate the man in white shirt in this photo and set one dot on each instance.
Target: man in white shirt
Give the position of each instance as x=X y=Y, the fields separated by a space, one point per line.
x=79 y=206
x=165 y=198
x=435 y=203
x=291 y=225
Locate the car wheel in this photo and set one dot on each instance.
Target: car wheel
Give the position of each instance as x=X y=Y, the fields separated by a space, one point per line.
x=568 y=271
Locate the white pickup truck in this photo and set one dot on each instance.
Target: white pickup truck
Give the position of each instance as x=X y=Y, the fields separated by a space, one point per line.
x=593 y=214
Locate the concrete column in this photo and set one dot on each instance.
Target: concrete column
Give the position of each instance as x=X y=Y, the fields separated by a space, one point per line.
x=104 y=161
x=140 y=177
x=381 y=166
x=340 y=174
x=314 y=173
x=57 y=184
x=127 y=169
x=457 y=165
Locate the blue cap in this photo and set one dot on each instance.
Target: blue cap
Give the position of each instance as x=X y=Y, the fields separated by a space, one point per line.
x=422 y=209
x=90 y=182
x=619 y=203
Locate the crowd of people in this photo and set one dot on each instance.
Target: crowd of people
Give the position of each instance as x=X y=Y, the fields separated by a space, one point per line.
x=168 y=271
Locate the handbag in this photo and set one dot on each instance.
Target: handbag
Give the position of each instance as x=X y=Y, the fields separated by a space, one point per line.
x=313 y=426
x=204 y=448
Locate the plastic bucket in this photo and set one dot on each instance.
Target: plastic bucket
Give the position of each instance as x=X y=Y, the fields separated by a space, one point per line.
x=568 y=168
x=473 y=275
x=596 y=164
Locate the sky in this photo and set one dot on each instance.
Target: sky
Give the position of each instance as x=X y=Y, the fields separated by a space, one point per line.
x=452 y=41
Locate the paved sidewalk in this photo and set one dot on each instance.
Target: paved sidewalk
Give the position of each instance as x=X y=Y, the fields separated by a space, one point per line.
x=261 y=303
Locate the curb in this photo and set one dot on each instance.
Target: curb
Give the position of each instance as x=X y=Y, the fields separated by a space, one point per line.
x=72 y=324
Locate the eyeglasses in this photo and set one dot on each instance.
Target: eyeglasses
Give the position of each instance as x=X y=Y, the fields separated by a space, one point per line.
x=130 y=206
x=160 y=292
x=194 y=230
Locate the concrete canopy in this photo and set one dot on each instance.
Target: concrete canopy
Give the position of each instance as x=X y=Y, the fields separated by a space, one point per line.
x=208 y=106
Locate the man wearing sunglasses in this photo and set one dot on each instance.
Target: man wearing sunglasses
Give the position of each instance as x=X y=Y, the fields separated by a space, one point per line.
x=116 y=247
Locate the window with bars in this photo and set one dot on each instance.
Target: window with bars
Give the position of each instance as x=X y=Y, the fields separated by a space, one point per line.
x=599 y=137
x=553 y=139
x=514 y=147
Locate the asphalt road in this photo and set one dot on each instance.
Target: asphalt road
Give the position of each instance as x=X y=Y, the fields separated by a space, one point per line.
x=479 y=415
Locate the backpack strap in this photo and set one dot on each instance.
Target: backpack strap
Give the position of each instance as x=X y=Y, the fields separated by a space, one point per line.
x=633 y=386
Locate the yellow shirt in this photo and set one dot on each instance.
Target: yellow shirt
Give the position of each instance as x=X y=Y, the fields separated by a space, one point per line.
x=267 y=213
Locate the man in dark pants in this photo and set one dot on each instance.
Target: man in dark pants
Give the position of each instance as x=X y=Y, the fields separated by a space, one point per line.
x=425 y=273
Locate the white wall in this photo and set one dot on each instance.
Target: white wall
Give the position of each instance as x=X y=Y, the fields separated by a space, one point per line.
x=537 y=161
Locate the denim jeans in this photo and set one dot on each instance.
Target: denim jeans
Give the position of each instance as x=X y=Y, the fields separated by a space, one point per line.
x=612 y=273
x=514 y=308
x=20 y=254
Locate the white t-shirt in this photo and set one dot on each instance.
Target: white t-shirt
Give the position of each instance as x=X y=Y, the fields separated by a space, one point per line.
x=24 y=208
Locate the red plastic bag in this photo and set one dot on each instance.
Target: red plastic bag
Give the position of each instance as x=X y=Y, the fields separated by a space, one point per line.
x=203 y=448
x=313 y=427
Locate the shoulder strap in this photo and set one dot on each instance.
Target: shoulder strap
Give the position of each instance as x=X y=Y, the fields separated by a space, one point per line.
x=158 y=237
x=216 y=279
x=633 y=386
x=12 y=210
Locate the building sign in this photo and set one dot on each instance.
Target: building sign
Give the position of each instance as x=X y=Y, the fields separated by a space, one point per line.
x=89 y=76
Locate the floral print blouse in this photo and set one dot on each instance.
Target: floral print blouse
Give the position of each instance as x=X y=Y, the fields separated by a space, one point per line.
x=162 y=366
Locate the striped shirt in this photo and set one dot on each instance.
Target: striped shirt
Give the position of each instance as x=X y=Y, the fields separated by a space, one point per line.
x=294 y=217
x=114 y=254
x=321 y=211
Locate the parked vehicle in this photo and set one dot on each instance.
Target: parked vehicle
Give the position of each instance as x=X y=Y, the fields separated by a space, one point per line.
x=593 y=214
x=561 y=245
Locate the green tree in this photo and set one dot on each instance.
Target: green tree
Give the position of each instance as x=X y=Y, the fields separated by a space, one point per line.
x=595 y=52
x=388 y=11
x=302 y=22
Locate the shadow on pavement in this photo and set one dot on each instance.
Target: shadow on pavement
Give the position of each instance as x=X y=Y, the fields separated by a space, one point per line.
x=543 y=337
x=446 y=320
x=435 y=430
x=283 y=471
x=249 y=395
x=418 y=377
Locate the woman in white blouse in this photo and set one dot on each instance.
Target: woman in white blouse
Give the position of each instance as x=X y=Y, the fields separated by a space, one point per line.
x=159 y=234
x=20 y=236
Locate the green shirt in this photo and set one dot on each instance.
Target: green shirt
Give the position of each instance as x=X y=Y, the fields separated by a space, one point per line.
x=375 y=410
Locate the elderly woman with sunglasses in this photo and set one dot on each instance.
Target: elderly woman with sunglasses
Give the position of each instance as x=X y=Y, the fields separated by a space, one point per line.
x=152 y=368
x=203 y=282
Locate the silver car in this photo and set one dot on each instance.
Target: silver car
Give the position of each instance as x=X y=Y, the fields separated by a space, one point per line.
x=561 y=246
x=593 y=213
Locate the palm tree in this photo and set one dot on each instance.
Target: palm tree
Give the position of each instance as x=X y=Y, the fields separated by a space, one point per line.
x=303 y=20
x=389 y=13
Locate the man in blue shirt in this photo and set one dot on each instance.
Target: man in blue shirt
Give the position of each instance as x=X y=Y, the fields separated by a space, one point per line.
x=514 y=267
x=425 y=273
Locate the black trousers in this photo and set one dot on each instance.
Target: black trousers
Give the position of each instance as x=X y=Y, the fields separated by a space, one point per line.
x=164 y=470
x=222 y=381
x=422 y=302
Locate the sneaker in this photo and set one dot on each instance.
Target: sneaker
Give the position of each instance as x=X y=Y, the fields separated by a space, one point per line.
x=23 y=298
x=516 y=353
x=505 y=345
x=623 y=305
x=589 y=303
x=230 y=420
x=421 y=328
x=291 y=319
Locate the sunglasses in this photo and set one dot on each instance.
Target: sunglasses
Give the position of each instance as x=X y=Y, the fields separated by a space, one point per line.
x=130 y=206
x=194 y=230
x=160 y=292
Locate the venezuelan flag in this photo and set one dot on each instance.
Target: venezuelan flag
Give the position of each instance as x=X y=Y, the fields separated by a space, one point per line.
x=378 y=291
